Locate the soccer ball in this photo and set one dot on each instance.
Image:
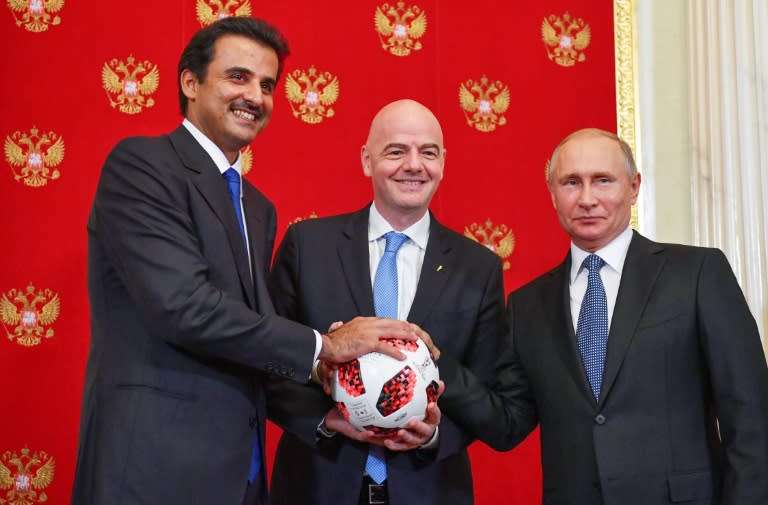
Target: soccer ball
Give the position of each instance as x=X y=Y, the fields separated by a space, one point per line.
x=378 y=393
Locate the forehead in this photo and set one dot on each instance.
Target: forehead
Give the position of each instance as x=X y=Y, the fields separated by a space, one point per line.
x=238 y=50
x=590 y=153
x=406 y=126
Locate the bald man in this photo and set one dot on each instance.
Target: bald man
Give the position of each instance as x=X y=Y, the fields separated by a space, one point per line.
x=447 y=284
x=641 y=360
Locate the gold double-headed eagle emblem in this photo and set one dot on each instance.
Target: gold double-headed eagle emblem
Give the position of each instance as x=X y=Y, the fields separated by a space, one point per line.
x=399 y=27
x=484 y=103
x=311 y=94
x=209 y=11
x=36 y=15
x=498 y=238
x=36 y=155
x=565 y=39
x=29 y=313
x=129 y=84
x=24 y=476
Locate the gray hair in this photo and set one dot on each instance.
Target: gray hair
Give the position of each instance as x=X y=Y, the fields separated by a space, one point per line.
x=626 y=151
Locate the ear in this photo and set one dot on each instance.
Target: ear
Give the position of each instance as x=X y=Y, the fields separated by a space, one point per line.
x=635 y=187
x=365 y=160
x=189 y=83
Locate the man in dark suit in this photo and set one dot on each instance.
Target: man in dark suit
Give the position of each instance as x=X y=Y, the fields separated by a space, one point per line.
x=450 y=286
x=671 y=404
x=183 y=330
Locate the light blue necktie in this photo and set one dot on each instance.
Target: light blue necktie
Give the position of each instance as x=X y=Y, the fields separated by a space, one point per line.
x=592 y=327
x=385 y=303
x=233 y=188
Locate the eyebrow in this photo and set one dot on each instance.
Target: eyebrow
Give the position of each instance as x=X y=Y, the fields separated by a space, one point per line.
x=405 y=146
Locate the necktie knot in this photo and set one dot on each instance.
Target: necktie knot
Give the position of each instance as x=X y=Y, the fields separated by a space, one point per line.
x=593 y=263
x=233 y=180
x=394 y=241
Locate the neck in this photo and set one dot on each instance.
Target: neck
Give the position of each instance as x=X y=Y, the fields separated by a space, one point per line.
x=400 y=220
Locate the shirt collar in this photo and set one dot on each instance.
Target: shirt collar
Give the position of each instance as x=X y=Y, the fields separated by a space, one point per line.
x=216 y=154
x=614 y=253
x=418 y=232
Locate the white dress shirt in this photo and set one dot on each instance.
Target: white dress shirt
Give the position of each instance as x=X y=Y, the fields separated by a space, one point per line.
x=614 y=254
x=410 y=256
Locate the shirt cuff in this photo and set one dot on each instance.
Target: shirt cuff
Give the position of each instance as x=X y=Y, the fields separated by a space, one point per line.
x=318 y=347
x=432 y=443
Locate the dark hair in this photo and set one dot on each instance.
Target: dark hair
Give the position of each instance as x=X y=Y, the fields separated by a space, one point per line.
x=199 y=52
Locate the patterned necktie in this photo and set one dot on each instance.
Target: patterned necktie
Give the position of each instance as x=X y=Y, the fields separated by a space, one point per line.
x=233 y=188
x=592 y=331
x=385 y=303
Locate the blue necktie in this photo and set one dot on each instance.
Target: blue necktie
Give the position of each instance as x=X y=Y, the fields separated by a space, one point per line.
x=233 y=188
x=385 y=303
x=592 y=331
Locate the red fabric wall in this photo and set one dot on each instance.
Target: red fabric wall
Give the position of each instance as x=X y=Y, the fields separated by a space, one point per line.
x=52 y=81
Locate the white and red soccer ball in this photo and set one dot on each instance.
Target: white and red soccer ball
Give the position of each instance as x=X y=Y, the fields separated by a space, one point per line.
x=381 y=394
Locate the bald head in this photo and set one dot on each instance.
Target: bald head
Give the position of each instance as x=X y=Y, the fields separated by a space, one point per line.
x=402 y=114
x=404 y=157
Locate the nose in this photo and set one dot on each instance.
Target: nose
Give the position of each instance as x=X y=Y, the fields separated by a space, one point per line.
x=412 y=161
x=254 y=94
x=587 y=196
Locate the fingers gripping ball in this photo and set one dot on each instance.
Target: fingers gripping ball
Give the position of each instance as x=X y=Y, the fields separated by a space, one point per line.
x=381 y=394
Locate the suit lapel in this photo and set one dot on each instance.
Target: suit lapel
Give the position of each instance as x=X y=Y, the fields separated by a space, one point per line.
x=259 y=242
x=561 y=322
x=211 y=185
x=641 y=270
x=353 y=254
x=435 y=270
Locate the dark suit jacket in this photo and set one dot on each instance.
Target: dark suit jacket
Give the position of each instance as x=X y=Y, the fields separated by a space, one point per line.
x=181 y=335
x=321 y=274
x=683 y=355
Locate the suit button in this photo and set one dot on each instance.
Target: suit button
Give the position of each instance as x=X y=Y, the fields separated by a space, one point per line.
x=291 y=372
x=252 y=421
x=600 y=419
x=270 y=366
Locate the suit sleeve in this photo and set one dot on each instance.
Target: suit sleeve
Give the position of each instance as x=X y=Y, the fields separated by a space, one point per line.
x=143 y=219
x=487 y=395
x=296 y=408
x=500 y=410
x=739 y=380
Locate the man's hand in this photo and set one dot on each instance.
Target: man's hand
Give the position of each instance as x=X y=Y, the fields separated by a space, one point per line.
x=417 y=433
x=363 y=335
x=412 y=436
x=335 y=421
x=423 y=335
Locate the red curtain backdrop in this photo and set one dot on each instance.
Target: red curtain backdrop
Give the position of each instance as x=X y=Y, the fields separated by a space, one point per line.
x=60 y=119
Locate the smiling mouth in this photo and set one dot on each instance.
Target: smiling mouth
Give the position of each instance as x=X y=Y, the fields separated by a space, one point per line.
x=244 y=115
x=409 y=182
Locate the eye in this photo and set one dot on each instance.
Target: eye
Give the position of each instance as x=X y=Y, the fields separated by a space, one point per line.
x=431 y=154
x=237 y=76
x=268 y=87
